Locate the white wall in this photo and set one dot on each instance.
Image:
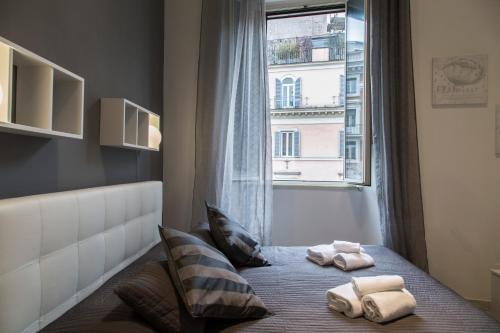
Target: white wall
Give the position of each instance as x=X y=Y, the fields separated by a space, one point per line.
x=182 y=36
x=460 y=173
x=306 y=215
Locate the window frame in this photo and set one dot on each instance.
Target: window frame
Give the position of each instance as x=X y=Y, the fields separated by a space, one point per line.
x=365 y=131
x=289 y=102
x=348 y=91
x=345 y=183
x=289 y=144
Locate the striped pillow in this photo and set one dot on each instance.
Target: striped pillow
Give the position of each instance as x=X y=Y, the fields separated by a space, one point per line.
x=207 y=282
x=233 y=239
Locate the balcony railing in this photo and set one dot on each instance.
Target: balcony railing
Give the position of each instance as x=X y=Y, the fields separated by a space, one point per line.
x=308 y=103
x=306 y=49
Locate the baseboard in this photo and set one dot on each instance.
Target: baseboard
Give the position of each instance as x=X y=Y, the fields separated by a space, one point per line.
x=481 y=304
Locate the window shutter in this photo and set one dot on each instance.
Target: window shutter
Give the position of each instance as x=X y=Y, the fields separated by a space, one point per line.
x=342 y=90
x=277 y=143
x=298 y=93
x=296 y=143
x=341 y=143
x=277 y=97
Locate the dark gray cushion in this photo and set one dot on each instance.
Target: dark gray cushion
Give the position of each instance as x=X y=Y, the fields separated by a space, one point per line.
x=207 y=282
x=234 y=240
x=152 y=295
x=202 y=231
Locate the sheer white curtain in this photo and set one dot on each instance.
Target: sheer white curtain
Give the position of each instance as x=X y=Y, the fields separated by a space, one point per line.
x=233 y=146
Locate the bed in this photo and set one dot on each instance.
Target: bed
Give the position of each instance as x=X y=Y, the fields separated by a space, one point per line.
x=294 y=289
x=112 y=238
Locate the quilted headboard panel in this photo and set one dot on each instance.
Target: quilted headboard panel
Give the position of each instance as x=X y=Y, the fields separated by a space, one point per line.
x=56 y=249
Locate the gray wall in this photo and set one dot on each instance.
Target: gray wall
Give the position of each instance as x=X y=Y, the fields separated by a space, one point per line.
x=117 y=46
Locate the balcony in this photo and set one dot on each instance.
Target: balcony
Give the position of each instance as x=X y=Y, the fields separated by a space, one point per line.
x=308 y=49
x=308 y=103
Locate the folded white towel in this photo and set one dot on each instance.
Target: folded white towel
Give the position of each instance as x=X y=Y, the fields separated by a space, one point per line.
x=344 y=299
x=351 y=261
x=346 y=247
x=373 y=284
x=388 y=305
x=321 y=254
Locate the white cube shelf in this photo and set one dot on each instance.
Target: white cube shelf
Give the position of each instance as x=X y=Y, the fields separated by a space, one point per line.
x=127 y=125
x=37 y=97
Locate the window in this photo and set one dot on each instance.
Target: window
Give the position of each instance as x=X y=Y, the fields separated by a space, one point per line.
x=288 y=93
x=351 y=85
x=287 y=143
x=351 y=150
x=316 y=60
x=350 y=118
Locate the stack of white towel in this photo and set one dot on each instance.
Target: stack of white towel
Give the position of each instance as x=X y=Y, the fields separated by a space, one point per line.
x=344 y=255
x=379 y=298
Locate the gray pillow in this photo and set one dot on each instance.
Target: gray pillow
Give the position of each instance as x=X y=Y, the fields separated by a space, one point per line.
x=202 y=231
x=234 y=240
x=152 y=295
x=207 y=282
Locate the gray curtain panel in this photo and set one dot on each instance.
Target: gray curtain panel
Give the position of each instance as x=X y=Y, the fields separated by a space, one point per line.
x=397 y=170
x=233 y=143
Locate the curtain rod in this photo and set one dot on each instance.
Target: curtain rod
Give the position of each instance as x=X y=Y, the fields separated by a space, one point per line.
x=305 y=10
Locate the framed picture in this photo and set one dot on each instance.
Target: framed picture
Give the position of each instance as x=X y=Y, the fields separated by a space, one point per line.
x=460 y=81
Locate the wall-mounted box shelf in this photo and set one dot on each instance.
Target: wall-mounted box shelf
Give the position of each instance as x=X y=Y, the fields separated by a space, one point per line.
x=127 y=125
x=38 y=97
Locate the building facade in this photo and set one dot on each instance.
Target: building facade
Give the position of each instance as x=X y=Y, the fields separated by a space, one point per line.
x=310 y=92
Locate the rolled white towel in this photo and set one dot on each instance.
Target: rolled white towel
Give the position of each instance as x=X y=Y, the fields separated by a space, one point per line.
x=351 y=261
x=346 y=247
x=388 y=305
x=321 y=254
x=344 y=299
x=373 y=284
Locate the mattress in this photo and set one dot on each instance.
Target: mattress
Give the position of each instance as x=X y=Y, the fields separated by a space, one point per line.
x=294 y=289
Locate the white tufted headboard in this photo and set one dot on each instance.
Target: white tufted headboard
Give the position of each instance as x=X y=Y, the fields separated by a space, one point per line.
x=56 y=249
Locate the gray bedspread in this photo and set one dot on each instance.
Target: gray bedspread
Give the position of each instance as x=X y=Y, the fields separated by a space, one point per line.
x=294 y=289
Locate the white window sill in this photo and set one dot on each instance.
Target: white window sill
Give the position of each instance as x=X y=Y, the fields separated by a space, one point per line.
x=315 y=185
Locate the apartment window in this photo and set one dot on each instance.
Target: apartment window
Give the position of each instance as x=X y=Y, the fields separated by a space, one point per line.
x=351 y=150
x=316 y=60
x=287 y=143
x=350 y=118
x=352 y=82
x=288 y=93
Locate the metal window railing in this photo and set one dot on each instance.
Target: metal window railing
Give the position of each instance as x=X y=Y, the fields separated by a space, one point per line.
x=300 y=49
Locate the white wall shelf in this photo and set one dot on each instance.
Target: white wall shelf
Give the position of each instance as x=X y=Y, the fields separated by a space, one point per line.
x=127 y=125
x=38 y=97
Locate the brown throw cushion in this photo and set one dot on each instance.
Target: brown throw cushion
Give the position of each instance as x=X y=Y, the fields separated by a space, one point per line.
x=152 y=295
